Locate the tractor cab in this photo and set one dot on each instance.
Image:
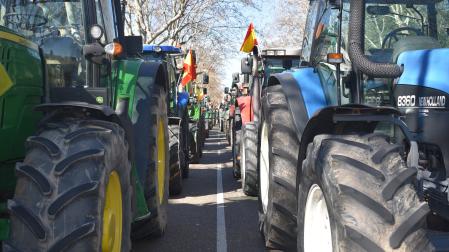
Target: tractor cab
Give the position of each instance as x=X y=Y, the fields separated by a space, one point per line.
x=277 y=60
x=77 y=39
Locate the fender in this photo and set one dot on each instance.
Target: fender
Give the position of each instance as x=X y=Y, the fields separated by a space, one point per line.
x=156 y=70
x=304 y=94
x=119 y=116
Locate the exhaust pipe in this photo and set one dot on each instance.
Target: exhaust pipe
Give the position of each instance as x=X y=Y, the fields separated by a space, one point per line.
x=356 y=49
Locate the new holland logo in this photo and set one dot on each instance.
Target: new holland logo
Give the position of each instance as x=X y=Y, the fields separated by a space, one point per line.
x=5 y=81
x=411 y=101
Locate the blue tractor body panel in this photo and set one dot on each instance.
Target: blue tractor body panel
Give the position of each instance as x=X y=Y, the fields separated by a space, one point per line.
x=309 y=84
x=426 y=68
x=162 y=49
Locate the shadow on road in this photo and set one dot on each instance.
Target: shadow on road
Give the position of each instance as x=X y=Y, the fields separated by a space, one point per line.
x=192 y=217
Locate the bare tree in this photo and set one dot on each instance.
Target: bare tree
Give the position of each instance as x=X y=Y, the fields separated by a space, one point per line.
x=287 y=30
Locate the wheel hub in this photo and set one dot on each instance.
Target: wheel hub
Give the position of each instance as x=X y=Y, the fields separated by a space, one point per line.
x=161 y=160
x=112 y=216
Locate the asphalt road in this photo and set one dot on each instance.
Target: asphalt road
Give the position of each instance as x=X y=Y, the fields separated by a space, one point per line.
x=212 y=213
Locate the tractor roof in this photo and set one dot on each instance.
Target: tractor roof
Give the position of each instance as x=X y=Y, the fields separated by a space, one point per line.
x=281 y=52
x=162 y=48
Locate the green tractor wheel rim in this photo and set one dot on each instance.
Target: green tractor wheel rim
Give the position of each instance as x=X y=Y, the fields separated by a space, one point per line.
x=161 y=157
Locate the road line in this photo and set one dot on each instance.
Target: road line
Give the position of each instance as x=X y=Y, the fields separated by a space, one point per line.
x=222 y=245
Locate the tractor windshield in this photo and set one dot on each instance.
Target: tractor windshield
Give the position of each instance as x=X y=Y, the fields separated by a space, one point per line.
x=37 y=20
x=273 y=65
x=405 y=25
x=58 y=28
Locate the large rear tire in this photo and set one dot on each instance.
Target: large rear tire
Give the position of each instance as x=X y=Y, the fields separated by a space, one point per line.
x=73 y=190
x=248 y=159
x=278 y=167
x=152 y=160
x=355 y=194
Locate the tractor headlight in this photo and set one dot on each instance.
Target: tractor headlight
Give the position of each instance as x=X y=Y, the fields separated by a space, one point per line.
x=96 y=32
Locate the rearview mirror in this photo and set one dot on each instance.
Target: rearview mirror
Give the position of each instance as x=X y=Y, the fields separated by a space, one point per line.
x=205 y=78
x=235 y=78
x=247 y=65
x=378 y=10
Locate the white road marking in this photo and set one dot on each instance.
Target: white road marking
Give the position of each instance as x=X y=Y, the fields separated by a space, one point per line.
x=222 y=245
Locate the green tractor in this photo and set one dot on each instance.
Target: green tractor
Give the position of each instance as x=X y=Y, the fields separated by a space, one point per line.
x=178 y=120
x=83 y=129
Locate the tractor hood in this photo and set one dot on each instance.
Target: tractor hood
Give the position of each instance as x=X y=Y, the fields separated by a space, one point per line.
x=426 y=68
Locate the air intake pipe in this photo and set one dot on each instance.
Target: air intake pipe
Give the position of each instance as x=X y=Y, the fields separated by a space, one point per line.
x=356 y=51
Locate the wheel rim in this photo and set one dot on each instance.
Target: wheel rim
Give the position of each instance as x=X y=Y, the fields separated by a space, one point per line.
x=317 y=228
x=264 y=167
x=161 y=160
x=112 y=216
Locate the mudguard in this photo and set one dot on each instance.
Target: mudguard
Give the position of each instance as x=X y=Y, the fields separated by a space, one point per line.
x=304 y=92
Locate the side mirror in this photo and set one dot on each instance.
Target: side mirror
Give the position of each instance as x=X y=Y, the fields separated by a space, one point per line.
x=235 y=78
x=133 y=45
x=247 y=65
x=205 y=78
x=226 y=90
x=378 y=10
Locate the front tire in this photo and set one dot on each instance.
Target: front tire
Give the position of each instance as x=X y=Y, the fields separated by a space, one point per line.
x=73 y=190
x=278 y=167
x=248 y=159
x=176 y=154
x=367 y=199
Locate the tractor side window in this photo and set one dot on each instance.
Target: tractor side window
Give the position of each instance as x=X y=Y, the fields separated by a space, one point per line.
x=326 y=42
x=309 y=35
x=109 y=19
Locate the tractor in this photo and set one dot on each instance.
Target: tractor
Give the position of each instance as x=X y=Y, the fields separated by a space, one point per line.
x=354 y=152
x=83 y=129
x=197 y=133
x=178 y=121
x=271 y=61
x=235 y=123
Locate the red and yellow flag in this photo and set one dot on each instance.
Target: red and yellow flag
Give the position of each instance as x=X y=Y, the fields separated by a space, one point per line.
x=189 y=69
x=250 y=40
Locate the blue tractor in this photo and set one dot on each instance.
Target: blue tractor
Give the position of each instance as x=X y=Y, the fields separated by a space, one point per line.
x=353 y=145
x=178 y=118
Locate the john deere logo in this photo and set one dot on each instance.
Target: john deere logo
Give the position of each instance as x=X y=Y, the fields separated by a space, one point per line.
x=100 y=99
x=5 y=80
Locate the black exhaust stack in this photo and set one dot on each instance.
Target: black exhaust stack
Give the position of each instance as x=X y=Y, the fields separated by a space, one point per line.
x=356 y=48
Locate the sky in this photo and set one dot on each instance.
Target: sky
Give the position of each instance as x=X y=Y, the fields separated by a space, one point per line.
x=260 y=18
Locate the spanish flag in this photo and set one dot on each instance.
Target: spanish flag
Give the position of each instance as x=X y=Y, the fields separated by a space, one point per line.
x=250 y=40
x=189 y=69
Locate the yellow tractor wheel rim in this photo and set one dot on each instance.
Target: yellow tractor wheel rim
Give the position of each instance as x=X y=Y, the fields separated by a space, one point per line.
x=161 y=160
x=112 y=216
